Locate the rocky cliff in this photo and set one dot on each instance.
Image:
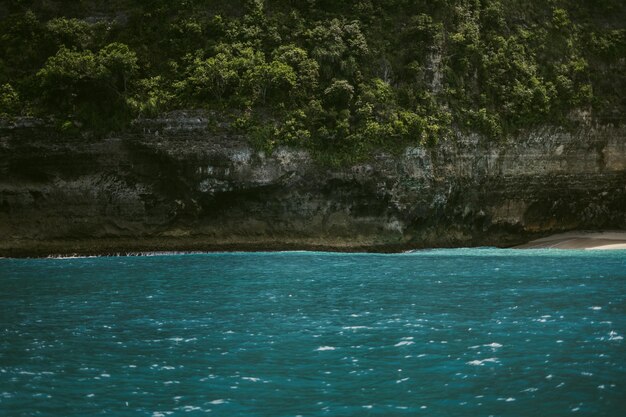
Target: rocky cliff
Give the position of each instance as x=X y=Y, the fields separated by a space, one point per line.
x=174 y=184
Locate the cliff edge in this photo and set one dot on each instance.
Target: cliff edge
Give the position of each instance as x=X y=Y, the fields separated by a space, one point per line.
x=172 y=184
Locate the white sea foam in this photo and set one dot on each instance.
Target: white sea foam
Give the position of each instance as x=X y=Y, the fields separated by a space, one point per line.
x=614 y=336
x=494 y=345
x=595 y=308
x=249 y=378
x=217 y=402
x=404 y=343
x=190 y=408
x=323 y=348
x=481 y=362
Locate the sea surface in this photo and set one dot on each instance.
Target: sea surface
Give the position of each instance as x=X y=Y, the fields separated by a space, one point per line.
x=464 y=332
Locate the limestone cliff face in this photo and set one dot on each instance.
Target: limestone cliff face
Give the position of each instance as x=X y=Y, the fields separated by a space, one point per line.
x=174 y=185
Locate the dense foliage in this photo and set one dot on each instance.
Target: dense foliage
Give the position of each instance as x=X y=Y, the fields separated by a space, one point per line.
x=345 y=76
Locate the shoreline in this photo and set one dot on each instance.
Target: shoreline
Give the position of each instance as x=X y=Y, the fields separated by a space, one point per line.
x=65 y=248
x=158 y=245
x=582 y=240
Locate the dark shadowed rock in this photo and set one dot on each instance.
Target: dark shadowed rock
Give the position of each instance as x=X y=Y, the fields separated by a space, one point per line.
x=173 y=185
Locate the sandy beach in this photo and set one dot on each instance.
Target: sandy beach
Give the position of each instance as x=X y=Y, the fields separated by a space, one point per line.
x=580 y=240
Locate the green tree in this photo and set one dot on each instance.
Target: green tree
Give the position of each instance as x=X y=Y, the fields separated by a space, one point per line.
x=71 y=33
x=338 y=46
x=274 y=78
x=120 y=62
x=69 y=77
x=306 y=69
x=9 y=101
x=339 y=94
x=91 y=85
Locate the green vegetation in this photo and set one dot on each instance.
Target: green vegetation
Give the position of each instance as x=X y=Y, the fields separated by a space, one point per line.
x=338 y=77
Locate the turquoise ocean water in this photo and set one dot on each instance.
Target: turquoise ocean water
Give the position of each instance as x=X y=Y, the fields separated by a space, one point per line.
x=465 y=332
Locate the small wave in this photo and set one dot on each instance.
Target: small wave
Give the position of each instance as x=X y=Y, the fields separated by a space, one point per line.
x=190 y=408
x=493 y=345
x=163 y=253
x=323 y=348
x=129 y=254
x=71 y=256
x=481 y=362
x=217 y=402
x=614 y=336
x=404 y=343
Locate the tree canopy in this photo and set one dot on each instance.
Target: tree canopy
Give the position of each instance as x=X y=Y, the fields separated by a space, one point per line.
x=331 y=75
